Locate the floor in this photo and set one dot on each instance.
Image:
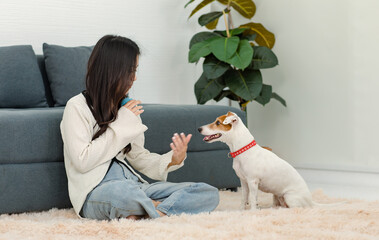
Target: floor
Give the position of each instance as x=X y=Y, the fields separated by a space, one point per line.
x=363 y=193
x=343 y=184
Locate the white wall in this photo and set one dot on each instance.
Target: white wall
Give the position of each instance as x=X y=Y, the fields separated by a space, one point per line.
x=327 y=53
x=328 y=73
x=159 y=27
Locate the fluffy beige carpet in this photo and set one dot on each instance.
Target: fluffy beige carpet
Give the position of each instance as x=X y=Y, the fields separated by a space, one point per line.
x=355 y=219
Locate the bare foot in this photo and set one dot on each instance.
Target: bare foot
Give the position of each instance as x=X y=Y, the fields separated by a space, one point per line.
x=156 y=203
x=133 y=217
x=161 y=213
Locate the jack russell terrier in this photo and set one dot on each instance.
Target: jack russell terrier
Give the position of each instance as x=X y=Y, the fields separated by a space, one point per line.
x=257 y=167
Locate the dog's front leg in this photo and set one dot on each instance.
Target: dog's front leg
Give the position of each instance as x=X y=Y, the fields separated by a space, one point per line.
x=245 y=203
x=253 y=192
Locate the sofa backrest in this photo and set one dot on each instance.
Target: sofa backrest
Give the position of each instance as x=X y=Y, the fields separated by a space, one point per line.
x=50 y=79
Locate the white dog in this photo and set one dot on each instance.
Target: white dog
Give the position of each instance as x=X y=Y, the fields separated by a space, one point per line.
x=257 y=167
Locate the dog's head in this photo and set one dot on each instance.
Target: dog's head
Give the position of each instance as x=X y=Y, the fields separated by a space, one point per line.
x=220 y=129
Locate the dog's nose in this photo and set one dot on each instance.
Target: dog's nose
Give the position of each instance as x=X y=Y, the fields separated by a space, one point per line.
x=200 y=129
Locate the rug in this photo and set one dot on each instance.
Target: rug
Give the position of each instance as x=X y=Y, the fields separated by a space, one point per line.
x=354 y=219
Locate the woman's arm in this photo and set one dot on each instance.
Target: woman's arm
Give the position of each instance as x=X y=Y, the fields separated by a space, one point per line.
x=153 y=165
x=77 y=132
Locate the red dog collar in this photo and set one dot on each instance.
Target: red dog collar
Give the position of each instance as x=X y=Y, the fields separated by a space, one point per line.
x=245 y=148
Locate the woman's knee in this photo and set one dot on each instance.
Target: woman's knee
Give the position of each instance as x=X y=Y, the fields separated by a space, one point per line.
x=210 y=194
x=207 y=188
x=118 y=200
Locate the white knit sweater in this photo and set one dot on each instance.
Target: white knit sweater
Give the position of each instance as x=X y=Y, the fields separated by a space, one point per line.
x=87 y=161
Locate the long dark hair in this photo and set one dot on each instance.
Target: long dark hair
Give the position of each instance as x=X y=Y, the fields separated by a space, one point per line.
x=110 y=74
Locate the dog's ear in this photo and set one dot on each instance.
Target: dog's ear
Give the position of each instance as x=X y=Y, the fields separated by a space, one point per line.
x=231 y=118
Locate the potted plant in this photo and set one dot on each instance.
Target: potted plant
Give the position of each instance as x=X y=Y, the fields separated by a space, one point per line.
x=233 y=58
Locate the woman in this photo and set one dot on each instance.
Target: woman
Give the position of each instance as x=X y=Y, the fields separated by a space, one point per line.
x=99 y=135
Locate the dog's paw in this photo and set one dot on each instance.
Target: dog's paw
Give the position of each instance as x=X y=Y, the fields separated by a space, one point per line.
x=254 y=209
x=245 y=206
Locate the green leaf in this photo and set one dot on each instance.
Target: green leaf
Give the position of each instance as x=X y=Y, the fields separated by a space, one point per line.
x=242 y=58
x=191 y=1
x=265 y=95
x=214 y=68
x=279 y=98
x=202 y=36
x=245 y=84
x=212 y=25
x=199 y=50
x=226 y=93
x=237 y=31
x=263 y=58
x=251 y=37
x=200 y=6
x=264 y=37
x=209 y=17
x=232 y=32
x=206 y=89
x=246 y=8
x=224 y=48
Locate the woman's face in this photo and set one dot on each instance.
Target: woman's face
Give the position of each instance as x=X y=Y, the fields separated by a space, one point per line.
x=135 y=76
x=135 y=73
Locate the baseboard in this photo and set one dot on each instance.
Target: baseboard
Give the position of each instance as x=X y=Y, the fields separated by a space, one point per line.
x=342 y=183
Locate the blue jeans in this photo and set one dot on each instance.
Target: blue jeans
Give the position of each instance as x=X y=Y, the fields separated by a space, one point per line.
x=121 y=194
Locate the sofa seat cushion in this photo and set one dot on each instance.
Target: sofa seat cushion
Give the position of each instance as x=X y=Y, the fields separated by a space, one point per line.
x=30 y=135
x=21 y=83
x=212 y=167
x=33 y=187
x=66 y=69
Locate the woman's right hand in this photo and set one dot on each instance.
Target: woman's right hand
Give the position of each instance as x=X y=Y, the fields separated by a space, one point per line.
x=132 y=105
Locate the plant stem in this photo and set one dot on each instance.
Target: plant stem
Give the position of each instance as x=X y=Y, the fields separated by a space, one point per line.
x=226 y=24
x=230 y=20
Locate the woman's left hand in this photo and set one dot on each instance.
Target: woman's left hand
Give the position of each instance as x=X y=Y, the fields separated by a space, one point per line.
x=179 y=145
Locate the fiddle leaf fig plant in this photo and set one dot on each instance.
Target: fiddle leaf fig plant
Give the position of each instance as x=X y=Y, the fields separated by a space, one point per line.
x=233 y=58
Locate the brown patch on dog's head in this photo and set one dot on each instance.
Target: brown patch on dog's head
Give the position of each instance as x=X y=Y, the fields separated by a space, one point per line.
x=218 y=124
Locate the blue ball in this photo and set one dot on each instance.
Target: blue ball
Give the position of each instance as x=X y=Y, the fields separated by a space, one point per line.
x=125 y=100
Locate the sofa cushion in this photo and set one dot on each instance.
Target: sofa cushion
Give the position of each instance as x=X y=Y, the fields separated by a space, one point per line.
x=30 y=135
x=21 y=83
x=42 y=68
x=66 y=69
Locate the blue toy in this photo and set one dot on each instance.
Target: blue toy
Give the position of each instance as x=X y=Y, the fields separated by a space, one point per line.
x=125 y=100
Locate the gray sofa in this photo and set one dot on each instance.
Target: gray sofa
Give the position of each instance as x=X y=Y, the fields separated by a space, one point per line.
x=32 y=174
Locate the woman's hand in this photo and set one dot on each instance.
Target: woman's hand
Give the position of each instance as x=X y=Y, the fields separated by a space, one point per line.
x=179 y=146
x=132 y=105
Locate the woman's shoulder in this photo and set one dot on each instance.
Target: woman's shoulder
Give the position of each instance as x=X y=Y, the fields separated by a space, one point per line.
x=79 y=103
x=77 y=108
x=77 y=100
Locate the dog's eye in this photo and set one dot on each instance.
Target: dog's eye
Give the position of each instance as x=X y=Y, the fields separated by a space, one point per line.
x=218 y=123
